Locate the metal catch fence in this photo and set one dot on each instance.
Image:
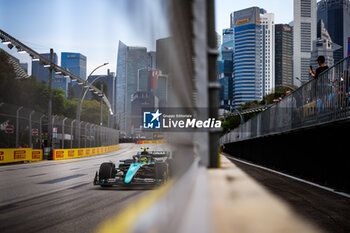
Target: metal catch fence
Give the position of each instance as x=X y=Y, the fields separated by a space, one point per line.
x=320 y=101
x=24 y=127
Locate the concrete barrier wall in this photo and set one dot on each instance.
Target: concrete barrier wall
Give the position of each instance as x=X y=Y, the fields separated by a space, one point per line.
x=318 y=154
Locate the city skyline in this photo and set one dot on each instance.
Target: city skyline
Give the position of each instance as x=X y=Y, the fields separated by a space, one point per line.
x=85 y=27
x=71 y=31
x=283 y=10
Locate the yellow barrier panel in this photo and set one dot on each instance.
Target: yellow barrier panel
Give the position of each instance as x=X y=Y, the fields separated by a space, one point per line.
x=151 y=141
x=29 y=154
x=37 y=155
x=19 y=155
x=82 y=152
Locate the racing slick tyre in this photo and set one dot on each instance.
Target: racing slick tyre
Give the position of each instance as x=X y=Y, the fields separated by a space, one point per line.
x=107 y=170
x=162 y=171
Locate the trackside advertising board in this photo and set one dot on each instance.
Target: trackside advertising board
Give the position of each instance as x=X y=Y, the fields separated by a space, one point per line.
x=82 y=152
x=151 y=141
x=19 y=155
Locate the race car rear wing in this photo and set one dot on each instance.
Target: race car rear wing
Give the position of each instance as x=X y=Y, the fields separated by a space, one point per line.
x=157 y=154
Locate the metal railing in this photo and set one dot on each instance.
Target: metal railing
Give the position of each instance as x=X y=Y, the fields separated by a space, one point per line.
x=320 y=101
x=24 y=127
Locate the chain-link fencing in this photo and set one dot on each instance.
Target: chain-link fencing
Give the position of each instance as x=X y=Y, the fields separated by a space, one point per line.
x=320 y=101
x=24 y=127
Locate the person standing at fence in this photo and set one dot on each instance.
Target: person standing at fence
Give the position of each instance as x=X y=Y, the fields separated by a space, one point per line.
x=322 y=67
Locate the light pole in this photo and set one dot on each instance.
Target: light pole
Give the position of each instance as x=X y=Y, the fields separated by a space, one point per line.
x=49 y=111
x=71 y=133
x=101 y=107
x=80 y=103
x=79 y=107
x=63 y=133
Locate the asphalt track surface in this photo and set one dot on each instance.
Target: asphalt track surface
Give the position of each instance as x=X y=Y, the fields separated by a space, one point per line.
x=58 y=196
x=327 y=210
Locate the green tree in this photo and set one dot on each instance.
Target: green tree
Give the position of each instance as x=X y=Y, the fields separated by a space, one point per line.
x=91 y=112
x=30 y=93
x=70 y=108
x=71 y=92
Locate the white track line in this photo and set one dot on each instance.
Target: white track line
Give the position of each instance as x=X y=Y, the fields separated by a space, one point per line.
x=291 y=177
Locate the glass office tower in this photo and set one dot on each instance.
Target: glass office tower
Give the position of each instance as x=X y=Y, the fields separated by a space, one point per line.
x=335 y=15
x=226 y=69
x=74 y=63
x=247 y=81
x=283 y=55
x=130 y=61
x=268 y=39
x=304 y=33
x=40 y=72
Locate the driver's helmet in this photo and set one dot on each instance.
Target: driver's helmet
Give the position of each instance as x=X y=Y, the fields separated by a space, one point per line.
x=144 y=152
x=143 y=159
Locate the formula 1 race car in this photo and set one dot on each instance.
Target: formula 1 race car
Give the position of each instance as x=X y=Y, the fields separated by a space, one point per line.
x=145 y=168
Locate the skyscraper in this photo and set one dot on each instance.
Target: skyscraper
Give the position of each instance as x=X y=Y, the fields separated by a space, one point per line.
x=130 y=61
x=40 y=72
x=335 y=15
x=226 y=69
x=74 y=63
x=283 y=55
x=143 y=82
x=162 y=54
x=161 y=91
x=268 y=51
x=323 y=46
x=247 y=56
x=304 y=32
x=218 y=40
x=151 y=60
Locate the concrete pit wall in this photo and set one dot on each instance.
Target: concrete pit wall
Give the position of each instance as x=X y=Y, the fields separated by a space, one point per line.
x=318 y=154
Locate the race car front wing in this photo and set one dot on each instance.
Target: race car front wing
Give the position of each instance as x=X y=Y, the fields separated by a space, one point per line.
x=121 y=181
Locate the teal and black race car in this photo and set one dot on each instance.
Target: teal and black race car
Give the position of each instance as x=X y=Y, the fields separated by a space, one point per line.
x=145 y=168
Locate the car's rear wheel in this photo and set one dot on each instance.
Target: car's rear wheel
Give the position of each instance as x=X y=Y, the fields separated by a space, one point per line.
x=107 y=171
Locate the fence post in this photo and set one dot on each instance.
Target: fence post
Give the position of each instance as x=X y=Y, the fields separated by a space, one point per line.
x=80 y=122
x=17 y=126
x=90 y=134
x=40 y=130
x=86 y=133
x=63 y=131
x=71 y=133
x=52 y=138
x=94 y=134
x=30 y=144
x=100 y=136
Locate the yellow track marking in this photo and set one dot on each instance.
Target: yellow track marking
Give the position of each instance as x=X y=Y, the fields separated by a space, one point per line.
x=123 y=222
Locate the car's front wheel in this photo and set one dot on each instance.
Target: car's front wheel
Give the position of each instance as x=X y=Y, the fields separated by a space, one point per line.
x=162 y=172
x=107 y=171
